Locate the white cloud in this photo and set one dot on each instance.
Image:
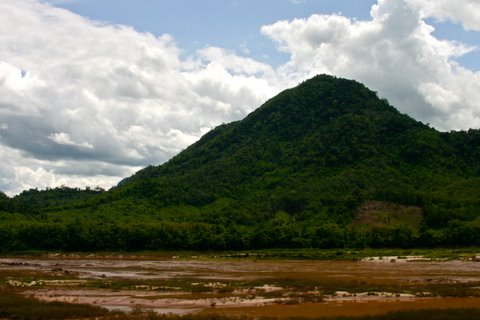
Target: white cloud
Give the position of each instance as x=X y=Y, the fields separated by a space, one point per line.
x=234 y=63
x=57 y=2
x=18 y=172
x=64 y=138
x=86 y=103
x=78 y=91
x=465 y=12
x=393 y=53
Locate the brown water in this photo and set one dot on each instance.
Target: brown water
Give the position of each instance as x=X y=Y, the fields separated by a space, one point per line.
x=462 y=271
x=339 y=283
x=349 y=308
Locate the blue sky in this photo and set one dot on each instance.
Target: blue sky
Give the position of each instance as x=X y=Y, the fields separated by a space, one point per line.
x=93 y=90
x=232 y=24
x=455 y=32
x=235 y=24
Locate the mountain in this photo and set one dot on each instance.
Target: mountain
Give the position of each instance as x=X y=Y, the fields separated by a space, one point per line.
x=324 y=164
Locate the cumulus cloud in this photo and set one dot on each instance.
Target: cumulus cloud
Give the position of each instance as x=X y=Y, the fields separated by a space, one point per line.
x=86 y=103
x=393 y=53
x=76 y=91
x=465 y=12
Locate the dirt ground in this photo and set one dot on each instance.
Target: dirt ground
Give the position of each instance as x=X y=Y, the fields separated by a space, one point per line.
x=277 y=288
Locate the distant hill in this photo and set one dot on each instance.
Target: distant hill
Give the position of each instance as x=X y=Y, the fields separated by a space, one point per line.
x=325 y=164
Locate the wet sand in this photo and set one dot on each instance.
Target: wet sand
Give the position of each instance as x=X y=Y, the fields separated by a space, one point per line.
x=81 y=279
x=347 y=308
x=460 y=271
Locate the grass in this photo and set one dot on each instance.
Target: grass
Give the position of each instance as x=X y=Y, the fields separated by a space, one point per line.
x=297 y=286
x=303 y=254
x=355 y=254
x=193 y=285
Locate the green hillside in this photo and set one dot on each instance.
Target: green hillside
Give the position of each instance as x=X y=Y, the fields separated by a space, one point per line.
x=325 y=164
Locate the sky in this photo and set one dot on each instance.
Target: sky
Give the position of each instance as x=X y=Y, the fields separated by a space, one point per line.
x=92 y=91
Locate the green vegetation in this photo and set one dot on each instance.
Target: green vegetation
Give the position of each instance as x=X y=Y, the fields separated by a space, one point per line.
x=324 y=165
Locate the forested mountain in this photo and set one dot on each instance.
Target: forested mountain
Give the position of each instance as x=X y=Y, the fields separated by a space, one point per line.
x=324 y=164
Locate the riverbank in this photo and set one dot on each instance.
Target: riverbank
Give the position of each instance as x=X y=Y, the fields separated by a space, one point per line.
x=247 y=284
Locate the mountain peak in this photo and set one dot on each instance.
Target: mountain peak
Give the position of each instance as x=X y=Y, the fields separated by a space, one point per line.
x=323 y=124
x=313 y=166
x=321 y=99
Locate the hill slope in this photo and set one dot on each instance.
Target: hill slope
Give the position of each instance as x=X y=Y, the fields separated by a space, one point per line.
x=300 y=171
x=326 y=141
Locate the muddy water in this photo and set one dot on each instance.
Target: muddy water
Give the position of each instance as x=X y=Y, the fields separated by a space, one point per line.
x=350 y=308
x=461 y=271
x=62 y=279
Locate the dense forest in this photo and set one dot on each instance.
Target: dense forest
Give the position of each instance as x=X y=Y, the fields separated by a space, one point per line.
x=325 y=164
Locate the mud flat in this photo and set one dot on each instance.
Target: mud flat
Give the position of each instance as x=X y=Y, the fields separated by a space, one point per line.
x=347 y=308
x=276 y=288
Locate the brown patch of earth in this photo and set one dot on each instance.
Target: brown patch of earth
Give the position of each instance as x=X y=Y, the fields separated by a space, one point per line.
x=162 y=302
x=271 y=284
x=380 y=213
x=346 y=308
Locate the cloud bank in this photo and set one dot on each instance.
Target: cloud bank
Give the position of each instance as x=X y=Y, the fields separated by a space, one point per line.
x=85 y=103
x=394 y=53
